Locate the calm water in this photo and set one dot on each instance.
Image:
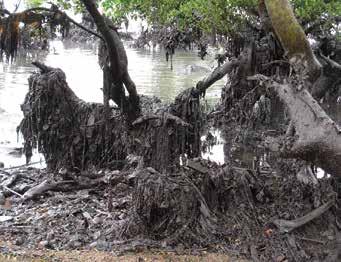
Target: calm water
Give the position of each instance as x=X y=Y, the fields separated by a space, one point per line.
x=147 y=68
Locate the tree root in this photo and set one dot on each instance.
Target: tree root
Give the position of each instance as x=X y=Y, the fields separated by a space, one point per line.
x=287 y=226
x=172 y=209
x=43 y=187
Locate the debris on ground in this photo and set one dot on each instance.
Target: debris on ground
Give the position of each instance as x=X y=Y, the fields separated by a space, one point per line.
x=201 y=206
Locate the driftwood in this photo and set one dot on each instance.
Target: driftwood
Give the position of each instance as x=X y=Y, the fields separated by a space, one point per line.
x=289 y=225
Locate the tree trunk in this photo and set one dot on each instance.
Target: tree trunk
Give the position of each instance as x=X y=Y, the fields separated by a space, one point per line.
x=317 y=138
x=293 y=38
x=118 y=64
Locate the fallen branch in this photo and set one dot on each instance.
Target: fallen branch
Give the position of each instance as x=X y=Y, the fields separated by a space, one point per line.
x=42 y=188
x=287 y=226
x=313 y=240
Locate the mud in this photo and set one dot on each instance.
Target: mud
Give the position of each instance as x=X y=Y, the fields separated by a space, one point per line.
x=223 y=209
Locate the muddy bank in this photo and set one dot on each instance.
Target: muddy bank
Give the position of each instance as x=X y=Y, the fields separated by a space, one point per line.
x=108 y=210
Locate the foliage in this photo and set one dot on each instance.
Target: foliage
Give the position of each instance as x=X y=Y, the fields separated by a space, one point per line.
x=224 y=16
x=309 y=10
x=33 y=3
x=62 y=4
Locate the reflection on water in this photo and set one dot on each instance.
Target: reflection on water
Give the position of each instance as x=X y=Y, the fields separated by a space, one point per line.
x=148 y=69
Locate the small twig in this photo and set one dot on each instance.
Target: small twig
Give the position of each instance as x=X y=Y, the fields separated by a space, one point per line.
x=145 y=118
x=331 y=62
x=258 y=77
x=4 y=12
x=17 y=6
x=313 y=240
x=12 y=191
x=276 y=62
x=24 y=165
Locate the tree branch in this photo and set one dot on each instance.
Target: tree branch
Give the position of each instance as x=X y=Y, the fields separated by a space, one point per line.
x=217 y=74
x=4 y=12
x=66 y=16
x=118 y=64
